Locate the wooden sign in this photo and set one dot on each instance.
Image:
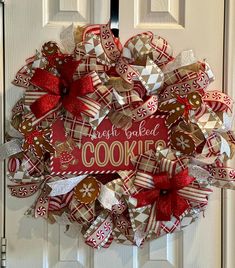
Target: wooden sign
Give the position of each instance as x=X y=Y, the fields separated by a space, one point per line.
x=109 y=150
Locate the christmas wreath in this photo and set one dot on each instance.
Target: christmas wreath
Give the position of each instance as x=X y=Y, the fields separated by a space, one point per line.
x=123 y=140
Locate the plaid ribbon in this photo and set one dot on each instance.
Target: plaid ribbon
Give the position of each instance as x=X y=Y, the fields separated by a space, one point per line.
x=81 y=213
x=171 y=162
x=129 y=99
x=164 y=160
x=33 y=165
x=212 y=146
x=127 y=185
x=146 y=163
x=76 y=128
x=46 y=120
x=168 y=227
x=89 y=64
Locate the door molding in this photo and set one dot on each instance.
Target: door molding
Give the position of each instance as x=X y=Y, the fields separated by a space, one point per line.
x=2 y=121
x=228 y=221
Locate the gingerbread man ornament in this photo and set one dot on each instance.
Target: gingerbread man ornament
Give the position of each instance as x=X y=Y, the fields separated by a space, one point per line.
x=35 y=139
x=179 y=108
x=55 y=59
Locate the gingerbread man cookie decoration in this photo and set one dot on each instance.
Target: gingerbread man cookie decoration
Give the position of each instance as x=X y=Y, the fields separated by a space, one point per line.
x=181 y=105
x=55 y=59
x=35 y=139
x=63 y=151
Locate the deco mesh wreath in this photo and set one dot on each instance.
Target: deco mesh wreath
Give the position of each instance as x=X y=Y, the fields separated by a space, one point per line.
x=122 y=140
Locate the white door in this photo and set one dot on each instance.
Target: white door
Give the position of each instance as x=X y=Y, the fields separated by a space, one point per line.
x=196 y=24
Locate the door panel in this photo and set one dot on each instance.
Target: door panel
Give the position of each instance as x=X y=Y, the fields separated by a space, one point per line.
x=187 y=25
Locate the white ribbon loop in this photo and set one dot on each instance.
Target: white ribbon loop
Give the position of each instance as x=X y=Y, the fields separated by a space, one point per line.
x=10 y=148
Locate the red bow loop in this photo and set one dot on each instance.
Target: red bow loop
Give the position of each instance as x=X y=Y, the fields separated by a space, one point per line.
x=46 y=81
x=146 y=197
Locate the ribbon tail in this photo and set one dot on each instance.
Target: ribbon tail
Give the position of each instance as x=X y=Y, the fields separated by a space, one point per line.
x=179 y=205
x=164 y=208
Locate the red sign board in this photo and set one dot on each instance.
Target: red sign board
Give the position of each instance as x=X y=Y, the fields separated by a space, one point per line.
x=109 y=150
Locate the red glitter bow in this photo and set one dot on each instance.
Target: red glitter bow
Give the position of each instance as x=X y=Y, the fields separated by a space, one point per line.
x=61 y=90
x=165 y=193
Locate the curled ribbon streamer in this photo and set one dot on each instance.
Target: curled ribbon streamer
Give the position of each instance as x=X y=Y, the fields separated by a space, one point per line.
x=145 y=110
x=223 y=177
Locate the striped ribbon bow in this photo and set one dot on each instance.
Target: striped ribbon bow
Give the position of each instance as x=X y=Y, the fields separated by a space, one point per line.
x=62 y=90
x=169 y=202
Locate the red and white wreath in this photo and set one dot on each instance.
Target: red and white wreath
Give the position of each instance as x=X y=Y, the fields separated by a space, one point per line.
x=125 y=141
